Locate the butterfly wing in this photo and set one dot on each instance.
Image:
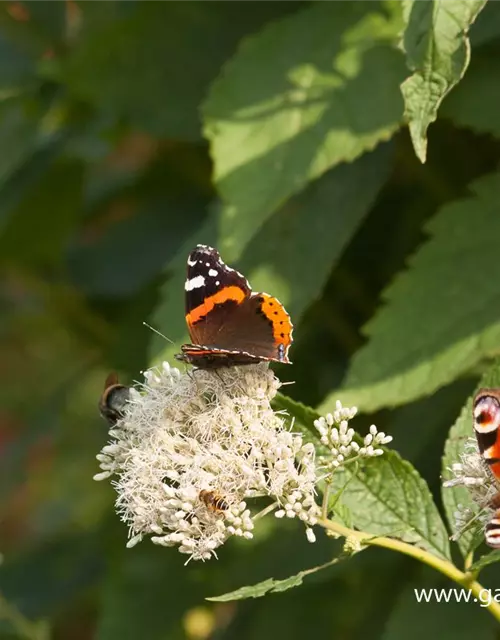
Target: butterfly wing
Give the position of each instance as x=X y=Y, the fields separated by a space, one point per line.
x=222 y=313
x=487 y=427
x=259 y=326
x=213 y=291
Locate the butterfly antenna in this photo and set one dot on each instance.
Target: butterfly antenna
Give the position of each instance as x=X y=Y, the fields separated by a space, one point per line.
x=157 y=332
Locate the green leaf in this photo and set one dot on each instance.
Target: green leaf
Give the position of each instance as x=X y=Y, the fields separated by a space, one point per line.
x=387 y=496
x=474 y=102
x=438 y=53
x=489 y=558
x=152 y=64
x=342 y=514
x=301 y=419
x=441 y=316
x=460 y=432
x=317 y=223
x=428 y=421
x=292 y=103
x=301 y=412
x=454 y=496
x=270 y=585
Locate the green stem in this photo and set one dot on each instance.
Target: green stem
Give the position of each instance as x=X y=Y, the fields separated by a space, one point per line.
x=468 y=561
x=324 y=505
x=264 y=512
x=448 y=569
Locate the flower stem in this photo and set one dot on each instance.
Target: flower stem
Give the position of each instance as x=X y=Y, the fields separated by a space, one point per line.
x=324 y=505
x=264 y=512
x=448 y=569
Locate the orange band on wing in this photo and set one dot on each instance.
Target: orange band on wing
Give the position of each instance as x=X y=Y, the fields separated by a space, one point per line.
x=282 y=325
x=228 y=293
x=493 y=454
x=495 y=469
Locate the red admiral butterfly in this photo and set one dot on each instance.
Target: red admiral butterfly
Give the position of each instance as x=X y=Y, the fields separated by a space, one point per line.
x=228 y=324
x=486 y=413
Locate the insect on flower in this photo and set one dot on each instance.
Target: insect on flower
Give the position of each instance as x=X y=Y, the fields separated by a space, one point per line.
x=113 y=400
x=229 y=324
x=487 y=428
x=213 y=501
x=479 y=470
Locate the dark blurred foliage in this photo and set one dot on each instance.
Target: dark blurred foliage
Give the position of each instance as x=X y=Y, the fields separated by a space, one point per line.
x=105 y=181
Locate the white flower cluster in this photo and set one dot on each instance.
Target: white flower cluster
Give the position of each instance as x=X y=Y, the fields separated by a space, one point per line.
x=338 y=438
x=194 y=447
x=472 y=472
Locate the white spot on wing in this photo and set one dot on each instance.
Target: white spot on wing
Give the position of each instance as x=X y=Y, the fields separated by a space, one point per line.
x=213 y=273
x=194 y=283
x=489 y=405
x=191 y=263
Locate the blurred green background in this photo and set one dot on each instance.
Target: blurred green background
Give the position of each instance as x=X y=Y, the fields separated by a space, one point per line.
x=106 y=182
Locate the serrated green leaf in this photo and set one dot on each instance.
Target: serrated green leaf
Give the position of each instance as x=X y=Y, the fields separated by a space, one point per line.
x=301 y=412
x=343 y=514
x=339 y=511
x=489 y=558
x=315 y=227
x=316 y=70
x=152 y=63
x=301 y=418
x=270 y=585
x=474 y=102
x=438 y=52
x=441 y=316
x=460 y=432
x=387 y=496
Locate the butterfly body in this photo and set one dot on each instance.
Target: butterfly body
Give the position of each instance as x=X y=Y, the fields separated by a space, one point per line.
x=229 y=324
x=486 y=414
